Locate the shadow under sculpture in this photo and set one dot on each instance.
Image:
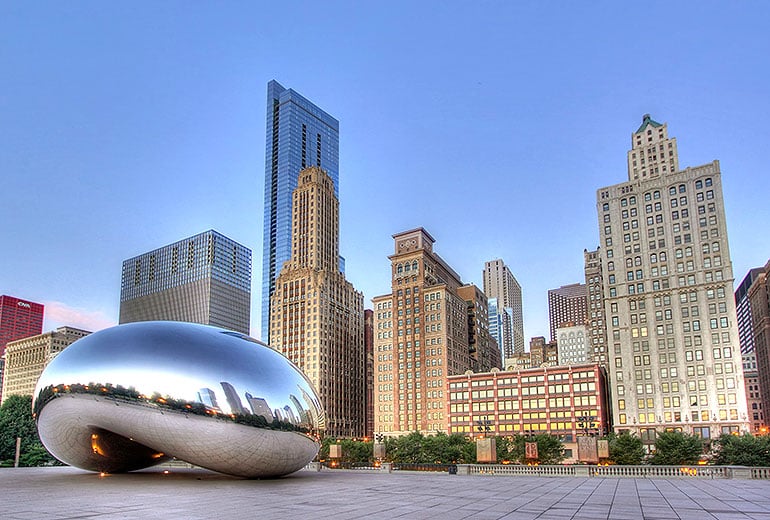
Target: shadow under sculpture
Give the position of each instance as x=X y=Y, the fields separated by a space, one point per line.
x=135 y=395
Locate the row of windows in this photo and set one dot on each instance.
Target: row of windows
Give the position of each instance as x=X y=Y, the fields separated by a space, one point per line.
x=651 y=195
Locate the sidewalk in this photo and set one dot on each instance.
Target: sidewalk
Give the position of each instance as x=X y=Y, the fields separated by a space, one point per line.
x=65 y=493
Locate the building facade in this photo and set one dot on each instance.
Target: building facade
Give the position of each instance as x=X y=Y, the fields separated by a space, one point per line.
x=674 y=353
x=500 y=326
x=500 y=284
x=202 y=279
x=26 y=358
x=421 y=337
x=597 y=325
x=759 y=296
x=743 y=311
x=369 y=374
x=567 y=304
x=299 y=134
x=317 y=317
x=572 y=344
x=753 y=395
x=541 y=354
x=485 y=354
x=18 y=319
x=554 y=400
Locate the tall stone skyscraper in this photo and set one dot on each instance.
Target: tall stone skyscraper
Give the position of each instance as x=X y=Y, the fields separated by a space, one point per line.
x=674 y=356
x=202 y=279
x=597 y=325
x=299 y=134
x=500 y=283
x=422 y=336
x=317 y=317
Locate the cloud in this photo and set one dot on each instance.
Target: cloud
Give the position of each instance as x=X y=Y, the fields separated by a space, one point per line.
x=58 y=314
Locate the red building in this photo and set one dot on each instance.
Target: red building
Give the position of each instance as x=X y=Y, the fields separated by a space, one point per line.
x=562 y=400
x=18 y=319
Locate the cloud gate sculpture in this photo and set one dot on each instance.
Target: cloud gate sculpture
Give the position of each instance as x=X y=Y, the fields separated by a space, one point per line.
x=135 y=395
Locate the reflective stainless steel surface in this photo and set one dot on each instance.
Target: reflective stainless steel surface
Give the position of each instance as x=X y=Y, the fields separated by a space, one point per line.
x=134 y=395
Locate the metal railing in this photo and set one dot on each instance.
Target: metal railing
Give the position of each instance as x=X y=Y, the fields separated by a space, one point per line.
x=567 y=470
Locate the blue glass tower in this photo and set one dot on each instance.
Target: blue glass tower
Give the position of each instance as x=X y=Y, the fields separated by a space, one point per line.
x=299 y=134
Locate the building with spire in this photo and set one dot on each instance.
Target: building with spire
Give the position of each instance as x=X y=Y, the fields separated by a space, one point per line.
x=299 y=134
x=316 y=316
x=673 y=350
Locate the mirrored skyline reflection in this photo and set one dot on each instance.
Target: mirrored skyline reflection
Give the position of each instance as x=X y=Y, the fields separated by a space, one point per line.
x=167 y=364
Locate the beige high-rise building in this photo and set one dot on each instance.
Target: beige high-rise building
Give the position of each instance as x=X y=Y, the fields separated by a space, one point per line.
x=674 y=358
x=421 y=336
x=316 y=316
x=26 y=358
x=499 y=283
x=597 y=325
x=653 y=154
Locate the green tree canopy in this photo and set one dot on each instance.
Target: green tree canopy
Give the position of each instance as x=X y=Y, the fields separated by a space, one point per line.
x=676 y=448
x=743 y=450
x=16 y=421
x=550 y=449
x=625 y=449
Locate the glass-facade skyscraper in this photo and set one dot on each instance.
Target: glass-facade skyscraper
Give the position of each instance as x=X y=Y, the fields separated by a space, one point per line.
x=299 y=134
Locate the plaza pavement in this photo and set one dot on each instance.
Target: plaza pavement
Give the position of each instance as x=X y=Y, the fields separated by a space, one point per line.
x=66 y=493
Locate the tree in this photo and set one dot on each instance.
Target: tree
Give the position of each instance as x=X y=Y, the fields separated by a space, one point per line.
x=550 y=449
x=625 y=449
x=677 y=448
x=16 y=421
x=743 y=450
x=409 y=449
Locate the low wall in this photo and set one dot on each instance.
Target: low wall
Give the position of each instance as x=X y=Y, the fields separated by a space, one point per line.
x=642 y=471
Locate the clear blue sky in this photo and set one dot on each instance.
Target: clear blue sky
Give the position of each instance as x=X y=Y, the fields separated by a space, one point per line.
x=125 y=126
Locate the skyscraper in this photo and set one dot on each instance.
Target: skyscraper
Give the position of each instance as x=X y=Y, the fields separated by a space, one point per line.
x=674 y=357
x=500 y=283
x=567 y=304
x=485 y=352
x=202 y=279
x=317 y=317
x=299 y=134
x=18 y=319
x=421 y=336
x=597 y=325
x=759 y=295
x=743 y=311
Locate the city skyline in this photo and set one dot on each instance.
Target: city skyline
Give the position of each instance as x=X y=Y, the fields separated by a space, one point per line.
x=538 y=118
